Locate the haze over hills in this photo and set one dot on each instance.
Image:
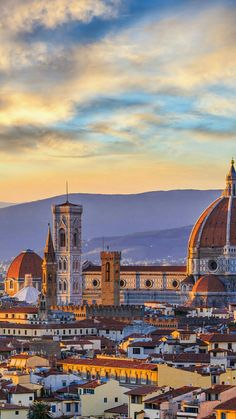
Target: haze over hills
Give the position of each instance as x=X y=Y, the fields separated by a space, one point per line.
x=24 y=226
x=5 y=204
x=148 y=247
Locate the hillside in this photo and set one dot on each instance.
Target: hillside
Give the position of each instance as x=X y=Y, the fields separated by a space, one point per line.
x=147 y=247
x=25 y=225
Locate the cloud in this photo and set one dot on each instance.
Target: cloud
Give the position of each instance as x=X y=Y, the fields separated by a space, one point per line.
x=100 y=86
x=23 y=16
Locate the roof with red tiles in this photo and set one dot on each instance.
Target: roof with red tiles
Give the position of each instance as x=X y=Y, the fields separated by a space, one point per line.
x=26 y=263
x=219 y=337
x=91 y=384
x=24 y=310
x=121 y=410
x=187 y=357
x=9 y=406
x=142 y=390
x=171 y=394
x=210 y=229
x=208 y=283
x=19 y=389
x=229 y=405
x=143 y=344
x=218 y=388
x=110 y=362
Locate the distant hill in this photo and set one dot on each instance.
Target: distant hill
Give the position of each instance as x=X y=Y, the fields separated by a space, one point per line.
x=5 y=204
x=25 y=225
x=147 y=247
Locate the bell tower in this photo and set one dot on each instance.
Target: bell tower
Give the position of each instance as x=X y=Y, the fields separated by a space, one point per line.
x=110 y=278
x=68 y=244
x=49 y=267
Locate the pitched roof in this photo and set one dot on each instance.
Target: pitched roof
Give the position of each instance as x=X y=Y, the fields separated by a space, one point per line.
x=110 y=362
x=229 y=405
x=19 y=389
x=218 y=388
x=188 y=357
x=122 y=410
x=171 y=394
x=142 y=390
x=219 y=337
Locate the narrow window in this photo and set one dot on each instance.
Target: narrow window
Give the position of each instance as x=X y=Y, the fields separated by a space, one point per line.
x=108 y=271
x=62 y=237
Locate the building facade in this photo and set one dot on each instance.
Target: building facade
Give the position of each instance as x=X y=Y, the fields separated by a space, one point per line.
x=137 y=283
x=67 y=244
x=212 y=250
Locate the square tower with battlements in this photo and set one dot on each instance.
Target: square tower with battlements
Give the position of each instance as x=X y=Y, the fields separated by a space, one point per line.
x=110 y=278
x=68 y=248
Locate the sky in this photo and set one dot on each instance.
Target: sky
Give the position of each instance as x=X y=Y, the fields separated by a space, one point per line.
x=115 y=96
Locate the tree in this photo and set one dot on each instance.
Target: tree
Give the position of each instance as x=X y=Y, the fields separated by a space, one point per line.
x=39 y=410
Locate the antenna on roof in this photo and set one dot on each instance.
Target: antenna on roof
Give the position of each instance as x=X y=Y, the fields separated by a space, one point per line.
x=67 y=193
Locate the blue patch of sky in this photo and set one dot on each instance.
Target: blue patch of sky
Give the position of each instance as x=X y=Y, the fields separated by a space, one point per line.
x=130 y=12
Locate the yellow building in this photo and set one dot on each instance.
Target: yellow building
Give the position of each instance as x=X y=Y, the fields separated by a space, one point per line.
x=122 y=369
x=28 y=362
x=9 y=411
x=23 y=379
x=20 y=315
x=178 y=377
x=226 y=410
x=97 y=397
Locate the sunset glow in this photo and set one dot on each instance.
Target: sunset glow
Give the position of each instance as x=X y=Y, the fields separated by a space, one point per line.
x=115 y=96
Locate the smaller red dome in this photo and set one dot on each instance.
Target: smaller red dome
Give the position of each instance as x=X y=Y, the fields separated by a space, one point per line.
x=208 y=283
x=26 y=263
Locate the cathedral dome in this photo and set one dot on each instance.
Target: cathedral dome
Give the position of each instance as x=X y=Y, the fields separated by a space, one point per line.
x=212 y=242
x=216 y=227
x=26 y=263
x=208 y=284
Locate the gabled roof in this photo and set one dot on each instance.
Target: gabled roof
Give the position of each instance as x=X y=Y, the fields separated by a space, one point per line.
x=171 y=394
x=19 y=389
x=121 y=410
x=229 y=405
x=142 y=390
x=219 y=337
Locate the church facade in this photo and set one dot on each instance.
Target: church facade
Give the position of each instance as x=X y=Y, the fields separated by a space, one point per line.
x=211 y=264
x=209 y=278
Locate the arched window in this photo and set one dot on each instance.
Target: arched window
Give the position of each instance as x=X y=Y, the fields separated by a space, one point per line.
x=60 y=286
x=60 y=265
x=108 y=271
x=75 y=238
x=11 y=285
x=62 y=237
x=64 y=265
x=64 y=286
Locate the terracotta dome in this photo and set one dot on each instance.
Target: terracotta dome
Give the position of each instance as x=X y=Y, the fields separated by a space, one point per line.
x=26 y=263
x=216 y=227
x=208 y=284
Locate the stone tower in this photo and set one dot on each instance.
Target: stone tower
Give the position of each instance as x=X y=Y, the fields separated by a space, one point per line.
x=67 y=244
x=110 y=278
x=49 y=267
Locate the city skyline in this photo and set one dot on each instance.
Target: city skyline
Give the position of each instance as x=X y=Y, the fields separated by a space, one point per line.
x=115 y=96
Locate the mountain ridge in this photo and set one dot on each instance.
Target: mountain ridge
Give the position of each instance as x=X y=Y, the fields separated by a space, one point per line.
x=24 y=225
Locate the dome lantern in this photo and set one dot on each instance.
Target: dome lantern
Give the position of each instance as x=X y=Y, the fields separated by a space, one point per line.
x=230 y=189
